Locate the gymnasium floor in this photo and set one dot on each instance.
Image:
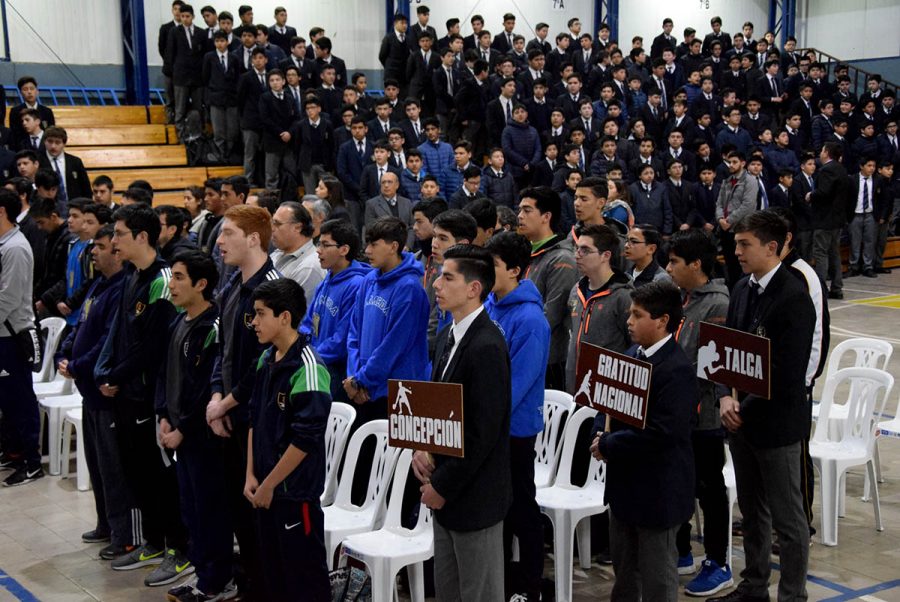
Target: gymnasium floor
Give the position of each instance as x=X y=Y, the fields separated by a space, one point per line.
x=42 y=557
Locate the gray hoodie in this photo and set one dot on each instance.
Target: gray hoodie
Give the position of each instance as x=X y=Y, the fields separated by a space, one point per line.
x=553 y=272
x=708 y=303
x=16 y=273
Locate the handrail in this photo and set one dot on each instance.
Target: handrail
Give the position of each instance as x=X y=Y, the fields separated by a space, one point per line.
x=856 y=71
x=84 y=96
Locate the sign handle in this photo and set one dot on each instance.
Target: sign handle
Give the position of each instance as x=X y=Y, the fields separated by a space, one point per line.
x=608 y=423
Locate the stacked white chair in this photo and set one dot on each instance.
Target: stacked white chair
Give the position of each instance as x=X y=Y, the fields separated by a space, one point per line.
x=73 y=421
x=52 y=329
x=337 y=432
x=558 y=405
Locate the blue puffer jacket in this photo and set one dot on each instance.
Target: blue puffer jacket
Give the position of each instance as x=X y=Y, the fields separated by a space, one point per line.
x=522 y=146
x=500 y=189
x=437 y=160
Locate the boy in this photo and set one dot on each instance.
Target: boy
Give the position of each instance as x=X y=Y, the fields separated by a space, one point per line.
x=32 y=133
x=641 y=247
x=470 y=190
x=370 y=180
x=250 y=88
x=327 y=319
x=449 y=228
x=498 y=184
x=485 y=213
x=286 y=461
x=692 y=260
x=277 y=114
x=28 y=88
x=423 y=218
x=462 y=157
x=79 y=266
x=437 y=155
x=642 y=526
x=46 y=215
x=181 y=395
x=430 y=189
x=73 y=179
x=516 y=306
x=412 y=176
x=220 y=77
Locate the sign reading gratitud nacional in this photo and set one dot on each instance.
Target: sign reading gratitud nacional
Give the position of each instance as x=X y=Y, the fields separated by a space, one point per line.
x=426 y=416
x=734 y=358
x=613 y=384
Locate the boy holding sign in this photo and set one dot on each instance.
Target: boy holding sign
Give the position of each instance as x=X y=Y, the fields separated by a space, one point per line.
x=641 y=463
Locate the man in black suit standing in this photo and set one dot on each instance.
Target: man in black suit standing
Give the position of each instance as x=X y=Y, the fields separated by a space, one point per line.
x=420 y=27
x=186 y=47
x=277 y=115
x=73 y=179
x=162 y=44
x=220 y=77
x=395 y=51
x=829 y=206
x=315 y=139
x=663 y=40
x=765 y=435
x=470 y=496
x=419 y=67
x=660 y=457
x=503 y=41
x=445 y=81
x=251 y=86
x=281 y=34
x=539 y=42
x=471 y=41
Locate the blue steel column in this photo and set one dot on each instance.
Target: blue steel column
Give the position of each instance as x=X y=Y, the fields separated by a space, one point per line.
x=137 y=78
x=393 y=7
x=773 y=15
x=610 y=16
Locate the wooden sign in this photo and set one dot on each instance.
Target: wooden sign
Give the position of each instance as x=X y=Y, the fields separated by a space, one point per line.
x=613 y=384
x=734 y=358
x=426 y=416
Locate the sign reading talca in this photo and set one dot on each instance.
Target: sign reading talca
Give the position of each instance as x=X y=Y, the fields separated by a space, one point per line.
x=613 y=384
x=734 y=358
x=426 y=416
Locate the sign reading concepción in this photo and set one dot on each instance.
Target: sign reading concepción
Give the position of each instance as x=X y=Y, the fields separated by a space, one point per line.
x=426 y=416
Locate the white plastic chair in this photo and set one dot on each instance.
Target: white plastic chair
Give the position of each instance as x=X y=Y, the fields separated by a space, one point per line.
x=53 y=411
x=73 y=421
x=52 y=329
x=337 y=432
x=854 y=444
x=558 y=405
x=567 y=506
x=389 y=549
x=731 y=486
x=343 y=518
x=57 y=387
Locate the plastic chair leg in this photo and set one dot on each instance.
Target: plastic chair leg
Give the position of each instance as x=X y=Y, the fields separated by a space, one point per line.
x=842 y=496
x=382 y=581
x=831 y=490
x=731 y=500
x=870 y=470
x=83 y=480
x=64 y=448
x=54 y=435
x=583 y=540
x=416 y=572
x=877 y=456
x=562 y=554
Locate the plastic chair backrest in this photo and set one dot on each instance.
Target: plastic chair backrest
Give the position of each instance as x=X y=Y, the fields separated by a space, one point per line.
x=573 y=424
x=558 y=405
x=337 y=432
x=382 y=464
x=52 y=329
x=395 y=502
x=867 y=391
x=869 y=353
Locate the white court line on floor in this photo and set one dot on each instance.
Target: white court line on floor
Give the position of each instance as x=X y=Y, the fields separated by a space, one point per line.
x=855 y=333
x=871 y=599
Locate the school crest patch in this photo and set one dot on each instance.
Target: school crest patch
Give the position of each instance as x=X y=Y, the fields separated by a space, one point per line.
x=139 y=308
x=281 y=400
x=248 y=320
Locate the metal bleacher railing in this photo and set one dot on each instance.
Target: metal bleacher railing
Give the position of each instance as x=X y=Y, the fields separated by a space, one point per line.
x=82 y=96
x=857 y=75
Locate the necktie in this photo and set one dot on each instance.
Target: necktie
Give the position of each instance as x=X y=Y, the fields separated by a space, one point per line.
x=486 y=56
x=865 y=193
x=402 y=37
x=224 y=64
x=62 y=181
x=246 y=58
x=34 y=142
x=508 y=111
x=386 y=127
x=262 y=81
x=190 y=34
x=362 y=150
x=894 y=143
x=416 y=128
x=500 y=174
x=587 y=128
x=752 y=302
x=445 y=356
x=812 y=183
x=449 y=82
x=653 y=110
x=775 y=86
x=392 y=202
x=640 y=355
x=764 y=198
x=380 y=174
x=509 y=40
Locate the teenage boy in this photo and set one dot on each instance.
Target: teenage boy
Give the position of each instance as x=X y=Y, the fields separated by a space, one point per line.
x=424 y=214
x=641 y=247
x=470 y=190
x=412 y=176
x=516 y=306
x=599 y=301
x=243 y=241
x=437 y=155
x=327 y=320
x=277 y=114
x=46 y=214
x=285 y=472
x=76 y=359
x=28 y=88
x=498 y=183
x=449 y=228
x=251 y=86
x=181 y=395
x=126 y=372
x=470 y=496
x=737 y=199
x=85 y=220
x=73 y=179
x=552 y=271
x=642 y=526
x=692 y=259
x=19 y=404
x=220 y=74
x=32 y=132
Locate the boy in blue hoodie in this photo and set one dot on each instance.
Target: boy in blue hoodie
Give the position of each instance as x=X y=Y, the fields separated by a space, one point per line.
x=289 y=410
x=327 y=319
x=517 y=308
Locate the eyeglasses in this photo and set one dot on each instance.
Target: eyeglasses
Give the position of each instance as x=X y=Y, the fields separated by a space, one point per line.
x=122 y=233
x=326 y=245
x=582 y=251
x=633 y=241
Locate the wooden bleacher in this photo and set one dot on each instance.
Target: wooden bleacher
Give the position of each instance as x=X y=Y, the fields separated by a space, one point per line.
x=129 y=143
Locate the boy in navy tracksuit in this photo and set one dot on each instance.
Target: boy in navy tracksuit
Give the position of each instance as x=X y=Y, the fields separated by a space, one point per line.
x=182 y=392
x=327 y=319
x=286 y=465
x=517 y=308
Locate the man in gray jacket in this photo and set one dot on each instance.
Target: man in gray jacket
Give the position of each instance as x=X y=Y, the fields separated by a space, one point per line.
x=692 y=257
x=389 y=203
x=552 y=271
x=18 y=402
x=737 y=199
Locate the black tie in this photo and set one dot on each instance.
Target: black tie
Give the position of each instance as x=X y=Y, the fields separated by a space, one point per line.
x=752 y=303
x=362 y=150
x=224 y=64
x=865 y=195
x=640 y=355
x=445 y=356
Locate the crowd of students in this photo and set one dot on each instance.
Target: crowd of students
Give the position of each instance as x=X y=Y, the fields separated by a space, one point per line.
x=476 y=224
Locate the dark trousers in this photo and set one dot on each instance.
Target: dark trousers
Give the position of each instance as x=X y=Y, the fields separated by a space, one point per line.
x=827 y=257
x=19 y=404
x=883 y=227
x=375 y=409
x=733 y=271
x=292 y=547
x=555 y=378
x=524 y=517
x=117 y=514
x=709 y=459
x=805 y=245
x=645 y=562
x=154 y=485
x=201 y=481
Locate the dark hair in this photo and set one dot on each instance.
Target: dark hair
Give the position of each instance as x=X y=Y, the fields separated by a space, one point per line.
x=460 y=224
x=102 y=213
x=546 y=200
x=484 y=211
x=282 y=295
x=694 y=245
x=138 y=195
x=46 y=179
x=604 y=237
x=474 y=263
x=29 y=154
x=174 y=217
x=78 y=204
x=512 y=248
x=105 y=231
x=471 y=172
x=143 y=185
x=12 y=204
x=140 y=218
x=598 y=186
x=507 y=217
x=103 y=180
x=660 y=298
x=650 y=232
x=22 y=185
x=787 y=216
x=199 y=266
x=431 y=208
x=240 y=185
x=389 y=229
x=766 y=226
x=301 y=216
x=343 y=233
x=41 y=207
x=833 y=150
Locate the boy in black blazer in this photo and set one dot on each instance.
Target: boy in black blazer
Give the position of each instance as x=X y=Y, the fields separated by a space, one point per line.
x=220 y=77
x=470 y=496
x=186 y=46
x=642 y=525
x=277 y=115
x=251 y=86
x=73 y=179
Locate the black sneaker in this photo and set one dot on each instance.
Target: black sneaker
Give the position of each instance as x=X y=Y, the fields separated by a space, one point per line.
x=95 y=536
x=183 y=589
x=8 y=462
x=113 y=551
x=195 y=595
x=23 y=475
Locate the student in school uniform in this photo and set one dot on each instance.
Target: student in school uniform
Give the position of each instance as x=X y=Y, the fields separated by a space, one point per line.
x=73 y=179
x=251 y=86
x=186 y=47
x=220 y=78
x=28 y=88
x=277 y=114
x=281 y=34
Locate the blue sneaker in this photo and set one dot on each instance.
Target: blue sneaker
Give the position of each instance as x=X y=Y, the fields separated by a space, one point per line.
x=712 y=579
x=686 y=565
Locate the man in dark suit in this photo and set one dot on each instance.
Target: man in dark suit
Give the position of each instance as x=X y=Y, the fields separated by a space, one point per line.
x=539 y=42
x=470 y=496
x=73 y=179
x=653 y=117
x=162 y=45
x=765 y=435
x=281 y=34
x=251 y=86
x=499 y=111
x=663 y=40
x=325 y=58
x=485 y=52
x=660 y=457
x=445 y=80
x=395 y=51
x=829 y=203
x=770 y=90
x=413 y=127
x=373 y=173
x=277 y=114
x=352 y=157
x=244 y=52
x=419 y=67
x=297 y=58
x=471 y=102
x=315 y=140
x=220 y=77
x=18 y=139
x=503 y=41
x=423 y=13
x=186 y=47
